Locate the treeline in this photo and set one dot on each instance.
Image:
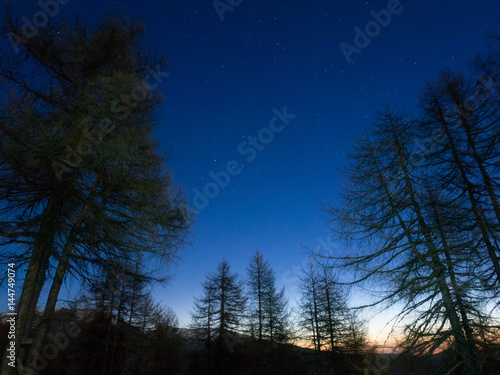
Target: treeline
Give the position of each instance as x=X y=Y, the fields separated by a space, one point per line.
x=114 y=327
x=247 y=325
x=421 y=213
x=240 y=325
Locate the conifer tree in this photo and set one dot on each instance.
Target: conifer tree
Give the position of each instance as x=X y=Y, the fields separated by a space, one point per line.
x=81 y=180
x=269 y=314
x=219 y=314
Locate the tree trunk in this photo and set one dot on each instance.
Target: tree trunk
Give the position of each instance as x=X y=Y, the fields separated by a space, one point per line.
x=474 y=203
x=59 y=276
x=456 y=289
x=35 y=277
x=438 y=271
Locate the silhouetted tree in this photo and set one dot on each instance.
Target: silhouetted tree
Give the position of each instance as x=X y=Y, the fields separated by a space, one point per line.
x=218 y=316
x=81 y=180
x=464 y=162
x=125 y=324
x=324 y=313
x=164 y=347
x=355 y=337
x=309 y=306
x=269 y=315
x=400 y=219
x=259 y=280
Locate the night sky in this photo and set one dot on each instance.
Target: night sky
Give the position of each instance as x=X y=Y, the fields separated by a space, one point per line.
x=228 y=79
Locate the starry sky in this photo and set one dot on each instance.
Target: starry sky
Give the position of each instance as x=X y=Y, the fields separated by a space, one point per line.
x=233 y=69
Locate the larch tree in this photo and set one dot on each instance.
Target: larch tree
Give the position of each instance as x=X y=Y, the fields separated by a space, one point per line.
x=219 y=314
x=309 y=306
x=465 y=162
x=259 y=280
x=164 y=348
x=268 y=311
x=122 y=299
x=335 y=314
x=323 y=312
x=402 y=223
x=355 y=336
x=125 y=328
x=82 y=181
x=310 y=312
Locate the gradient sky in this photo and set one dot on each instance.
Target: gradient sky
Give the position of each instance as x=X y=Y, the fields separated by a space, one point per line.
x=225 y=79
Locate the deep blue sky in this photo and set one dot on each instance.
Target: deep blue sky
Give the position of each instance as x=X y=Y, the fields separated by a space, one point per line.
x=227 y=76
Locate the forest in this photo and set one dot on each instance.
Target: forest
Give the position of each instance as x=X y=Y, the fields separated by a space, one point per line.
x=86 y=196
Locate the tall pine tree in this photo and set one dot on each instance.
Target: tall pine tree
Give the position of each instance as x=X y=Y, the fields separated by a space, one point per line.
x=269 y=314
x=218 y=315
